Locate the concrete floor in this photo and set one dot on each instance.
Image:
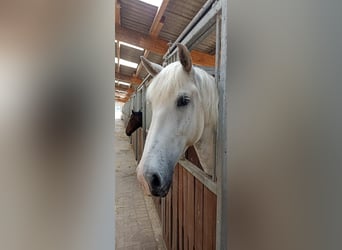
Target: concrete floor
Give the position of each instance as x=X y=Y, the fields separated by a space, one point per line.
x=137 y=224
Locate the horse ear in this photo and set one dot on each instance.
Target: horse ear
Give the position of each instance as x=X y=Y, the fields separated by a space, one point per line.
x=184 y=57
x=151 y=67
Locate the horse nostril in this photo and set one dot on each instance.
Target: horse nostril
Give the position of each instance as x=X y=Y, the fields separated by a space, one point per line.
x=155 y=181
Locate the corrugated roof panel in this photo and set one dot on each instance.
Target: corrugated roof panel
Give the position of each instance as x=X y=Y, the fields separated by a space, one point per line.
x=178 y=15
x=128 y=71
x=155 y=58
x=130 y=54
x=137 y=15
x=173 y=27
x=208 y=45
x=187 y=9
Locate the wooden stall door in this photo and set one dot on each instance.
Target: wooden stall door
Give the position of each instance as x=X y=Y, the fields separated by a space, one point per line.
x=188 y=214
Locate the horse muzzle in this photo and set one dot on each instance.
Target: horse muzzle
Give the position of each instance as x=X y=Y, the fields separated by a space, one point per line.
x=157 y=185
x=153 y=183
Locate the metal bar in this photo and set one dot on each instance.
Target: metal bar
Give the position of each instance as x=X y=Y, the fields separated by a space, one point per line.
x=210 y=70
x=201 y=27
x=199 y=175
x=135 y=102
x=222 y=138
x=146 y=80
x=143 y=89
x=194 y=20
x=217 y=72
x=204 y=33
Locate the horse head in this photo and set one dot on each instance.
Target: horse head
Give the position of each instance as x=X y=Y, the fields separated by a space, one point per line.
x=135 y=122
x=178 y=119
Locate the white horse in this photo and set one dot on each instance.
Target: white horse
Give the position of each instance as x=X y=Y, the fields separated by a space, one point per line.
x=184 y=103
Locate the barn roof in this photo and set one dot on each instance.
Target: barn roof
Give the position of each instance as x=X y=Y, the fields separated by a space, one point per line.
x=152 y=29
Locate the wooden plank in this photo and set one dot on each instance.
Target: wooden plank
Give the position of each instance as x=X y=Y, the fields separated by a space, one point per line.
x=157 y=45
x=125 y=78
x=180 y=208
x=166 y=224
x=117 y=12
x=142 y=40
x=157 y=203
x=198 y=215
x=163 y=217
x=185 y=208
x=169 y=221
x=141 y=143
x=175 y=209
x=192 y=156
x=213 y=200
x=199 y=174
x=126 y=89
x=154 y=30
x=190 y=212
x=209 y=219
x=136 y=135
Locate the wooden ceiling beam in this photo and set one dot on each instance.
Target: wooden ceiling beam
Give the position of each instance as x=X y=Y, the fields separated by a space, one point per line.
x=127 y=90
x=157 y=21
x=157 y=25
x=147 y=42
x=117 y=12
x=158 y=46
x=130 y=79
x=117 y=94
x=118 y=56
x=121 y=99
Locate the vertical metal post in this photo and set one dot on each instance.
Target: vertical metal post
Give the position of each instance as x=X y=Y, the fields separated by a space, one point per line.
x=129 y=113
x=143 y=89
x=135 y=104
x=222 y=136
x=217 y=75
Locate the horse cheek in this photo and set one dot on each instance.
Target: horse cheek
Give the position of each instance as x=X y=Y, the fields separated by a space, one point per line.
x=199 y=125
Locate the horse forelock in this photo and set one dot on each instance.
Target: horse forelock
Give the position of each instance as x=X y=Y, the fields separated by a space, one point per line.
x=173 y=77
x=206 y=85
x=170 y=80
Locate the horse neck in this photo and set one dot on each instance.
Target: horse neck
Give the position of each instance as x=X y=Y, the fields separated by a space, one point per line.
x=137 y=122
x=205 y=149
x=205 y=146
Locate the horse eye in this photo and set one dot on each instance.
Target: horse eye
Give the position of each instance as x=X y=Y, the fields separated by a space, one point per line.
x=183 y=101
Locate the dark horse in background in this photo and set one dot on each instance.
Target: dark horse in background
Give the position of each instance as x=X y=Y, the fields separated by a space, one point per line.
x=134 y=122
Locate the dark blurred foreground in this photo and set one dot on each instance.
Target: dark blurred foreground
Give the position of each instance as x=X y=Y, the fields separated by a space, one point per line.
x=56 y=125
x=285 y=125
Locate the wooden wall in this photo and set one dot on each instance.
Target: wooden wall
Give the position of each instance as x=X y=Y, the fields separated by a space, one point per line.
x=137 y=139
x=188 y=212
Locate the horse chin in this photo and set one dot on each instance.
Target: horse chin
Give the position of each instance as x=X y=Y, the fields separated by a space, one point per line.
x=144 y=185
x=161 y=193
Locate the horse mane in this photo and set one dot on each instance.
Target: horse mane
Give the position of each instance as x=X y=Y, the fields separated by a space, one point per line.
x=173 y=77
